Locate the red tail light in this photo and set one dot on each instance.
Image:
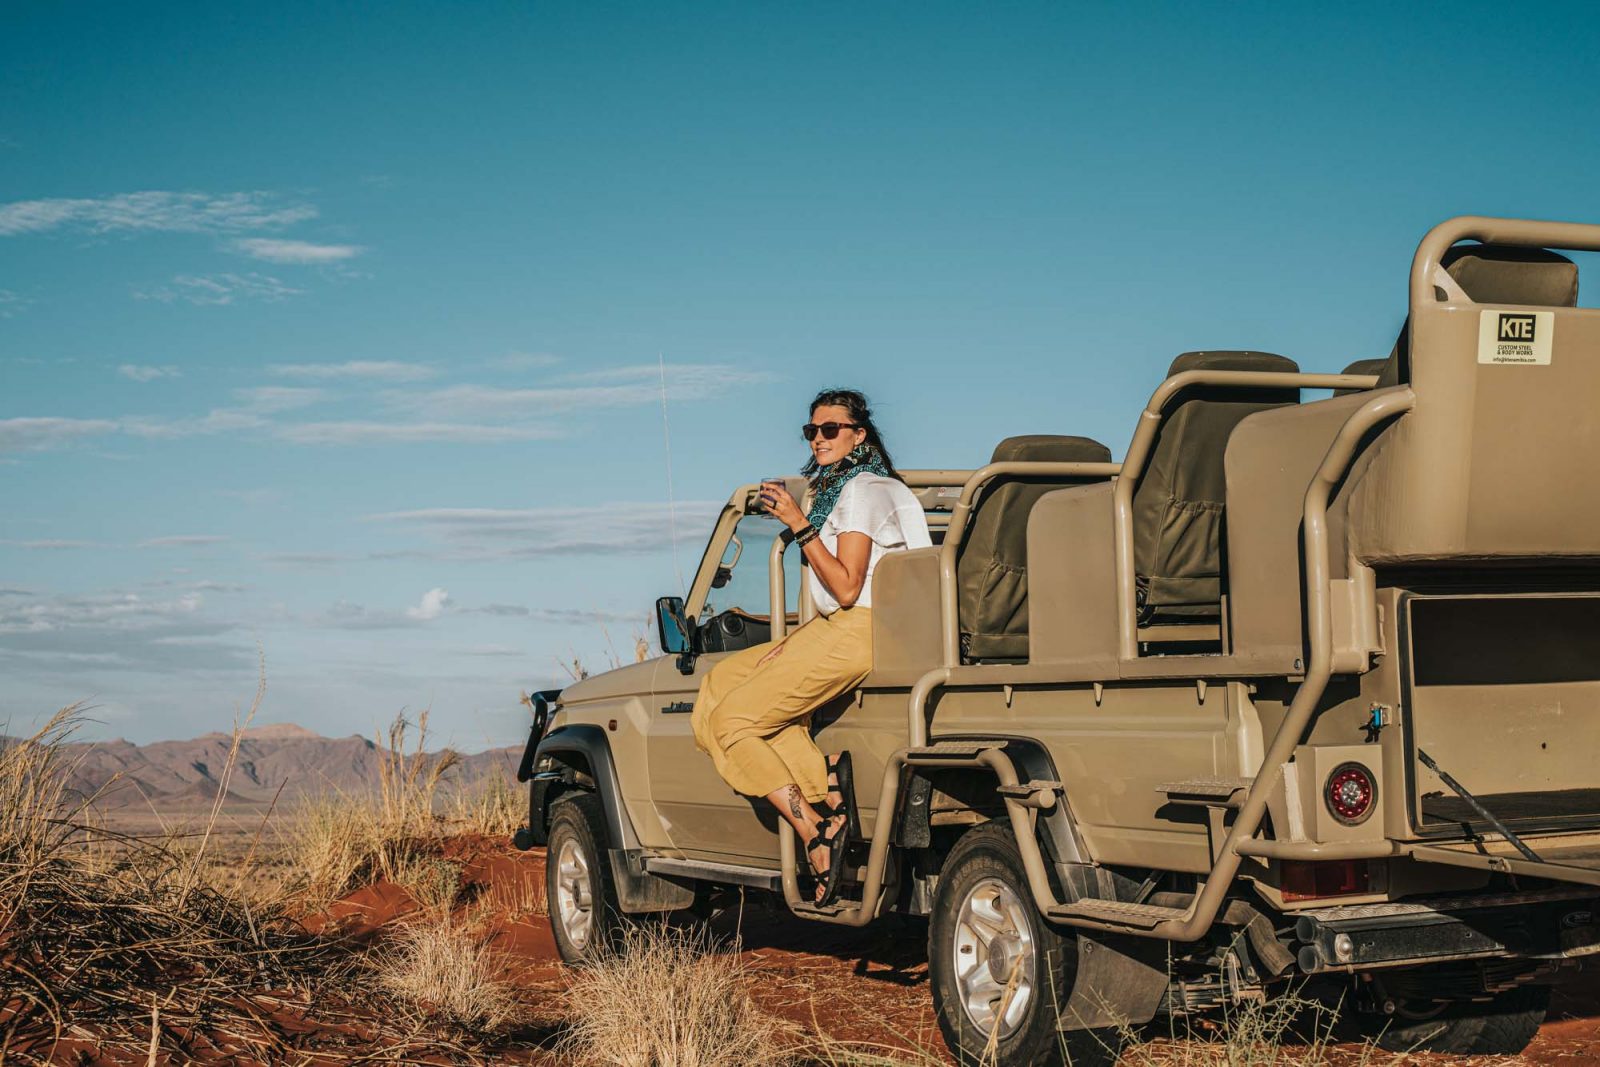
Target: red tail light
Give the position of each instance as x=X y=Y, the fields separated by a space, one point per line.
x=1301 y=880
x=1351 y=793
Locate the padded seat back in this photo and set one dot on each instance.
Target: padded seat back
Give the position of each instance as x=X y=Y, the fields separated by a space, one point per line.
x=1494 y=274
x=1178 y=503
x=992 y=569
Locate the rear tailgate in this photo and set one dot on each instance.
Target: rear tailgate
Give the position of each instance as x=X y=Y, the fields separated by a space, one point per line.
x=1503 y=693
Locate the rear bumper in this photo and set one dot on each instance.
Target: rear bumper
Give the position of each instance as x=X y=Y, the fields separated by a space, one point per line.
x=1549 y=925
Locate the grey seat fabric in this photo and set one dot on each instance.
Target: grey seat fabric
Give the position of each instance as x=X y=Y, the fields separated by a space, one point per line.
x=1494 y=274
x=1178 y=504
x=992 y=569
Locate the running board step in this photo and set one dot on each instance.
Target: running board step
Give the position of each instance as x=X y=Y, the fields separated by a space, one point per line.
x=1121 y=912
x=719 y=873
x=1207 y=792
x=955 y=750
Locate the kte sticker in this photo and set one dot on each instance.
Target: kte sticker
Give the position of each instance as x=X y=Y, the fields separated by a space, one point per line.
x=1515 y=337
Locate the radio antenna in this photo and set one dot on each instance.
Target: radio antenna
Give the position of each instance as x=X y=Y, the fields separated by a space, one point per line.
x=672 y=504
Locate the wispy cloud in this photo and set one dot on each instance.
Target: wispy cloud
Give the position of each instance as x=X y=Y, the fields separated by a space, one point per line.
x=217 y=290
x=154 y=211
x=184 y=541
x=51 y=544
x=619 y=387
x=142 y=373
x=359 y=370
x=120 y=631
x=219 y=420
x=274 y=398
x=502 y=533
x=430 y=607
x=39 y=434
x=12 y=303
x=524 y=361
x=362 y=433
x=276 y=250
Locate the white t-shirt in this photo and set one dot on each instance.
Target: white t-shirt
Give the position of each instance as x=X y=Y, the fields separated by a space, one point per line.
x=883 y=509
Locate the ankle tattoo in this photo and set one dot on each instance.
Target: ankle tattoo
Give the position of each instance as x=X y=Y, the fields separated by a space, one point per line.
x=794 y=802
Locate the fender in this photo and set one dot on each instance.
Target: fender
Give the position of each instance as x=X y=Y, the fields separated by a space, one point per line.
x=638 y=890
x=589 y=742
x=1058 y=833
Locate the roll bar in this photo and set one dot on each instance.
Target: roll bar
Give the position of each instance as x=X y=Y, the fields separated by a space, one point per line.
x=1427 y=270
x=1144 y=436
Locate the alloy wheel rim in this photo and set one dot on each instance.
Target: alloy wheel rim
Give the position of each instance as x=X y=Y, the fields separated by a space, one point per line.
x=993 y=949
x=574 y=900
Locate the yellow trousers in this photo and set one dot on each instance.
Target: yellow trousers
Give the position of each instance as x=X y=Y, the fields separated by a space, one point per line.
x=754 y=719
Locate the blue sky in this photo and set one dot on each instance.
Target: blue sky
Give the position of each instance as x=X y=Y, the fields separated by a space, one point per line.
x=335 y=331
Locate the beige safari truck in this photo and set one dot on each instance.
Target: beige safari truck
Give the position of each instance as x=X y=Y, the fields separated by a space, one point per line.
x=1304 y=694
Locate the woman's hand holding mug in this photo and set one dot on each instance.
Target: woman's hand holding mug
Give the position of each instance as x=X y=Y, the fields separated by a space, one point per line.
x=781 y=506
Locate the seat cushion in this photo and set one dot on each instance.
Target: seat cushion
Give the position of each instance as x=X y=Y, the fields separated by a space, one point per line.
x=1178 y=504
x=992 y=569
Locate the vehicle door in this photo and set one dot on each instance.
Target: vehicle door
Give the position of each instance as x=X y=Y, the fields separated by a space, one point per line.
x=702 y=814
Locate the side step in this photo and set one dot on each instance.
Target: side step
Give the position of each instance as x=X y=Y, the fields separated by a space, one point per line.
x=1120 y=912
x=1207 y=792
x=719 y=873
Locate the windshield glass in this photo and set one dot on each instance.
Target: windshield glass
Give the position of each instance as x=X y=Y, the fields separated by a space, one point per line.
x=746 y=555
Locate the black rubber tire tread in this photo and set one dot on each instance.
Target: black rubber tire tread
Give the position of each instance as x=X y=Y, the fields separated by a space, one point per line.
x=581 y=816
x=1499 y=1027
x=990 y=851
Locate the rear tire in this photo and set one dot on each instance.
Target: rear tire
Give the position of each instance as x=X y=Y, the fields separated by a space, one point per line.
x=1502 y=1026
x=989 y=948
x=585 y=915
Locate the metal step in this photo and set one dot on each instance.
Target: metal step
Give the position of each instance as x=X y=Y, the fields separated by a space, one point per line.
x=1209 y=792
x=1126 y=913
x=720 y=873
x=953 y=749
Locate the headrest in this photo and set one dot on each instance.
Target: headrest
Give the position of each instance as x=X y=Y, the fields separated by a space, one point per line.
x=1259 y=361
x=1508 y=274
x=1050 y=448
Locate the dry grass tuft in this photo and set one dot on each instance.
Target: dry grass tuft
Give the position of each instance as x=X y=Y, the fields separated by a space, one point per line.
x=1287 y=1031
x=433 y=882
x=493 y=806
x=449 y=973
x=338 y=841
x=664 y=1001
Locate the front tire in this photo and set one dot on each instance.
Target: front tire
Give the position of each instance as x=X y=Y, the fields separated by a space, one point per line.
x=585 y=915
x=1000 y=973
x=1501 y=1026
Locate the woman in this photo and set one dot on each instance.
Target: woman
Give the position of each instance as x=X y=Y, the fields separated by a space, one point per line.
x=753 y=713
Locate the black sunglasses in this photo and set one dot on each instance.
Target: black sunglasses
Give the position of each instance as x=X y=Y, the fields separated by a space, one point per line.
x=829 y=430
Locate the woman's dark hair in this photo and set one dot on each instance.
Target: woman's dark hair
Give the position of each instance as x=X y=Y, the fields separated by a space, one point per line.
x=855 y=402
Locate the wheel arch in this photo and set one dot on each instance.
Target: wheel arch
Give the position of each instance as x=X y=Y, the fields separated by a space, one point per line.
x=583 y=748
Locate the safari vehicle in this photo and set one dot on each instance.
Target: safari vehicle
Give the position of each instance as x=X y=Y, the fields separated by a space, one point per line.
x=1301 y=694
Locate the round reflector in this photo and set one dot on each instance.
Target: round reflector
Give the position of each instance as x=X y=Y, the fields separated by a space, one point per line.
x=1351 y=793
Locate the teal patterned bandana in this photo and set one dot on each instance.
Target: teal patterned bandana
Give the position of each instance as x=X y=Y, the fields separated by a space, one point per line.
x=830 y=482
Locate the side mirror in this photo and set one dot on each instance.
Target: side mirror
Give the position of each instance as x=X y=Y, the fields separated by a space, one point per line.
x=672 y=627
x=676 y=631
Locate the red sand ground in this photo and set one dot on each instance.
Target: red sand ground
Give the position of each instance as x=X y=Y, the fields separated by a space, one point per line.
x=868 y=987
x=871 y=986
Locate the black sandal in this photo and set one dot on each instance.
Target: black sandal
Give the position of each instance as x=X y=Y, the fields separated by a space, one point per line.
x=842 y=773
x=835 y=845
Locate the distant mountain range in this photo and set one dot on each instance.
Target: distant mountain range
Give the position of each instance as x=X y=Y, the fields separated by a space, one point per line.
x=177 y=775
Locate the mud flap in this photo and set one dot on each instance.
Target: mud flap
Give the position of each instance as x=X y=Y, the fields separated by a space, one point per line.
x=1119 y=983
x=639 y=891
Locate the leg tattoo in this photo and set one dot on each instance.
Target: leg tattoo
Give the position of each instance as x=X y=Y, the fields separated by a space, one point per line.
x=794 y=802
